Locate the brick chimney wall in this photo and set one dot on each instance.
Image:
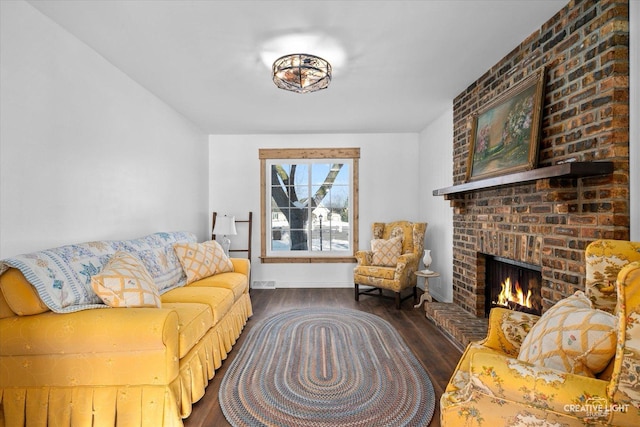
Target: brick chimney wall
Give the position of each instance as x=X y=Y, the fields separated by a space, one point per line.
x=549 y=222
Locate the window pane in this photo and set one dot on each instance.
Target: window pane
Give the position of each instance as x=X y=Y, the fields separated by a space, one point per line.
x=300 y=173
x=319 y=173
x=300 y=195
x=279 y=173
x=298 y=239
x=343 y=177
x=279 y=224
x=337 y=221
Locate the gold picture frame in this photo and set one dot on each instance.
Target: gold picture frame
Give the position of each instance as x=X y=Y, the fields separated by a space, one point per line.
x=505 y=132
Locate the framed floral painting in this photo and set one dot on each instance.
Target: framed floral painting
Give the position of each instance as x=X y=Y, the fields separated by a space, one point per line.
x=504 y=134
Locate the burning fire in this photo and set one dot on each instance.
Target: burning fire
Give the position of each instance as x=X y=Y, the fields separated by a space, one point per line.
x=508 y=294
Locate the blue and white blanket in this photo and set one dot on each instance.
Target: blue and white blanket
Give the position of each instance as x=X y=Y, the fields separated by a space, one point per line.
x=62 y=276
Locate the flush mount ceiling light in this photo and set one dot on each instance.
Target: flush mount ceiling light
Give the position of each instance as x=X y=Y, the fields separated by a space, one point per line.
x=301 y=73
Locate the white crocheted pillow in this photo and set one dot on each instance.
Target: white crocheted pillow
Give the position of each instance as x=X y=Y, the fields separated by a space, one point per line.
x=572 y=337
x=200 y=260
x=125 y=282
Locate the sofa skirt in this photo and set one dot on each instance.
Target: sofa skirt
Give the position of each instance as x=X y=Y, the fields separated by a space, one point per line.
x=130 y=405
x=90 y=406
x=200 y=364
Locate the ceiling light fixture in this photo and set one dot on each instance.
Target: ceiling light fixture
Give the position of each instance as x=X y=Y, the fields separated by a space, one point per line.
x=301 y=73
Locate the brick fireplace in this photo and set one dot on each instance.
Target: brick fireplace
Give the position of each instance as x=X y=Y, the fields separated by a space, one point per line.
x=548 y=222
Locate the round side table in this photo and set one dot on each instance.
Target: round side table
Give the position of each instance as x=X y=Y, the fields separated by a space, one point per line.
x=426 y=274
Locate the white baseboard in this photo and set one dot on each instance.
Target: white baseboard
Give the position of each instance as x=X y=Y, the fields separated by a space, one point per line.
x=271 y=284
x=312 y=285
x=438 y=296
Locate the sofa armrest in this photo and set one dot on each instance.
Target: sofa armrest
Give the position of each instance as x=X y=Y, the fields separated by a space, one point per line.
x=507 y=329
x=90 y=347
x=513 y=380
x=624 y=384
x=628 y=282
x=20 y=295
x=87 y=331
x=364 y=257
x=241 y=265
x=406 y=266
x=408 y=259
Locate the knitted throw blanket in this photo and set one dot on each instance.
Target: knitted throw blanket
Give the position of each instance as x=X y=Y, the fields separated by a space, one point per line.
x=62 y=276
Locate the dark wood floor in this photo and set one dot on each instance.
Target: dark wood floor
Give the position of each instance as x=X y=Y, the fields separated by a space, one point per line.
x=436 y=353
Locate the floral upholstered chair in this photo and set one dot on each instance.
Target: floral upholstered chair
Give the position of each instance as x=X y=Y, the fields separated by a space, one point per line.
x=394 y=257
x=578 y=364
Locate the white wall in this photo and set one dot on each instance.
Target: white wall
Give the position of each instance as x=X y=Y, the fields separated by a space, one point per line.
x=85 y=152
x=436 y=171
x=634 y=114
x=389 y=191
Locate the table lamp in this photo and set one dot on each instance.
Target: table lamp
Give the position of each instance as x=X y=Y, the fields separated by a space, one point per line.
x=225 y=226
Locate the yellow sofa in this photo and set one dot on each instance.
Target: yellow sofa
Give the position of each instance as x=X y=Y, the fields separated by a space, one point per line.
x=91 y=366
x=492 y=386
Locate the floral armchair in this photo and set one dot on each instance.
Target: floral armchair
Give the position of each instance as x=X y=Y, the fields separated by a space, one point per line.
x=493 y=386
x=392 y=261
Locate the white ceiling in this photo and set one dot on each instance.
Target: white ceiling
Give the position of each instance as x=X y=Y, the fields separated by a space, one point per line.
x=404 y=61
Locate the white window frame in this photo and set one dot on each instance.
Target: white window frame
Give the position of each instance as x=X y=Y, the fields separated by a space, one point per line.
x=269 y=157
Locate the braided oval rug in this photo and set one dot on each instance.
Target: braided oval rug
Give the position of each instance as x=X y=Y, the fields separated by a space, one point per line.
x=326 y=367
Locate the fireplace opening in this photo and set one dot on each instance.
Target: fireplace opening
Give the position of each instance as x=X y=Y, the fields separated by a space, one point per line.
x=512 y=284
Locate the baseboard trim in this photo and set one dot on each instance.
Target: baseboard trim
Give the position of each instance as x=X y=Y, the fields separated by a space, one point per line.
x=313 y=285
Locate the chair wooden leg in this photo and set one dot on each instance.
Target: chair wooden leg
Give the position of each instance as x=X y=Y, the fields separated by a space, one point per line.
x=398 y=300
x=415 y=295
x=357 y=288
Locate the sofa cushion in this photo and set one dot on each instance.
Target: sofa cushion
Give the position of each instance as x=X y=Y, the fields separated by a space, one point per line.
x=235 y=282
x=387 y=273
x=125 y=282
x=220 y=300
x=386 y=252
x=20 y=295
x=194 y=320
x=572 y=337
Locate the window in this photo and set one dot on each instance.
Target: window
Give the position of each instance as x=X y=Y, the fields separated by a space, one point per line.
x=309 y=204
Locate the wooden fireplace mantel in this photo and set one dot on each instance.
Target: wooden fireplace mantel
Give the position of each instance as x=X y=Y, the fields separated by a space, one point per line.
x=563 y=170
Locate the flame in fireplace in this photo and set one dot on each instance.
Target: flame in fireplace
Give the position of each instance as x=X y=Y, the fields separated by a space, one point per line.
x=513 y=294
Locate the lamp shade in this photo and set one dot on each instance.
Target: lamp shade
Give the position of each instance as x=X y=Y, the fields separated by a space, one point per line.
x=301 y=73
x=225 y=226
